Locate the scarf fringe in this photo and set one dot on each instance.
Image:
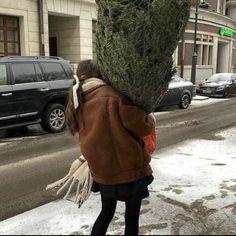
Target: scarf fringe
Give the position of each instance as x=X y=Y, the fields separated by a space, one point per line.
x=79 y=176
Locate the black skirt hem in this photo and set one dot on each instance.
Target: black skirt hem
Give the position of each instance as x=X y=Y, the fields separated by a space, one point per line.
x=123 y=192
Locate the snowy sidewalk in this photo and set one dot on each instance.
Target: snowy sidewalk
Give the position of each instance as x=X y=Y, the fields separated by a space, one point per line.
x=194 y=192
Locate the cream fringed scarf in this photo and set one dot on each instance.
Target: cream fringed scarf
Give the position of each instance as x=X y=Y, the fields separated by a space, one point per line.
x=79 y=173
x=87 y=85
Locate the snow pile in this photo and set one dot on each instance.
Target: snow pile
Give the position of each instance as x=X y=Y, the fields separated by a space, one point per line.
x=194 y=192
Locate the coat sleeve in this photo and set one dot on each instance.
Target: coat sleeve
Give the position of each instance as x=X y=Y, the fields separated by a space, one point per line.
x=136 y=120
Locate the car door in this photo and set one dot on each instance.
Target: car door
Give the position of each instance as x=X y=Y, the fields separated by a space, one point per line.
x=173 y=93
x=165 y=99
x=233 y=85
x=7 y=106
x=30 y=91
x=175 y=90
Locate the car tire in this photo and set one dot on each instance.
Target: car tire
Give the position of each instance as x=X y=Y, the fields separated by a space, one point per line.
x=53 y=119
x=185 y=101
x=226 y=93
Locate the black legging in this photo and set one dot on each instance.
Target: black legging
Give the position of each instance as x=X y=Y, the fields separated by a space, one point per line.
x=132 y=210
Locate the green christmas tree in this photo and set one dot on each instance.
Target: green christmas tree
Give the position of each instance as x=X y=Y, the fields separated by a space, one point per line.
x=135 y=42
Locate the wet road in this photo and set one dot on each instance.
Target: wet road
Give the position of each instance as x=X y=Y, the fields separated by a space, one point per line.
x=31 y=159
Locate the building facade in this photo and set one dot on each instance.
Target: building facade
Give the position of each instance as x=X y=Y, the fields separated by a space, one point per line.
x=216 y=41
x=47 y=27
x=66 y=28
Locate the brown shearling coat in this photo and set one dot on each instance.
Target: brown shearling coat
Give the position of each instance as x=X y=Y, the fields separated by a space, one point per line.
x=109 y=133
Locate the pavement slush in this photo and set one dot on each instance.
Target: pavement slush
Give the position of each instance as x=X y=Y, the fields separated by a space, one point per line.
x=194 y=193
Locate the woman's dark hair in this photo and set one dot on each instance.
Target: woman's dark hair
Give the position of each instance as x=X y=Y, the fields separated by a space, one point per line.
x=86 y=69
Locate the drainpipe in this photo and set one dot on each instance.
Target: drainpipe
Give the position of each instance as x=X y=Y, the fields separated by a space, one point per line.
x=41 y=28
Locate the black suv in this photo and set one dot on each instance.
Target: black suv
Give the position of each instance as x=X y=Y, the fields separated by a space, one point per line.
x=34 y=90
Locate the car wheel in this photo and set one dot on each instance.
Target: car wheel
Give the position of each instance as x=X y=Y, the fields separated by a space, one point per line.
x=53 y=120
x=185 y=101
x=226 y=93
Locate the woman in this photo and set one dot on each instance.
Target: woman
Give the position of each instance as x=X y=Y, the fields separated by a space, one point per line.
x=110 y=130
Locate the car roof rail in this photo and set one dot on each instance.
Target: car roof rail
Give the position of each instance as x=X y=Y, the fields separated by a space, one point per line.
x=31 y=57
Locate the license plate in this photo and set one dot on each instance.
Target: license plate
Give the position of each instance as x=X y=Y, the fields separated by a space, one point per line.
x=206 y=91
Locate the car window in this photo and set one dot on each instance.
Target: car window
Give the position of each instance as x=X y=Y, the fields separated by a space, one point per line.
x=24 y=73
x=69 y=69
x=219 y=78
x=39 y=74
x=3 y=75
x=54 y=71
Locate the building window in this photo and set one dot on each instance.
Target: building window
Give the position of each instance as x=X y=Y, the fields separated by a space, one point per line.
x=205 y=54
x=210 y=56
x=199 y=52
x=222 y=7
x=227 y=11
x=9 y=36
x=204 y=46
x=205 y=49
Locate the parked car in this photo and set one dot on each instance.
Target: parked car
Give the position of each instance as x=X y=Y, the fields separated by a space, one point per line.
x=34 y=90
x=220 y=84
x=180 y=92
